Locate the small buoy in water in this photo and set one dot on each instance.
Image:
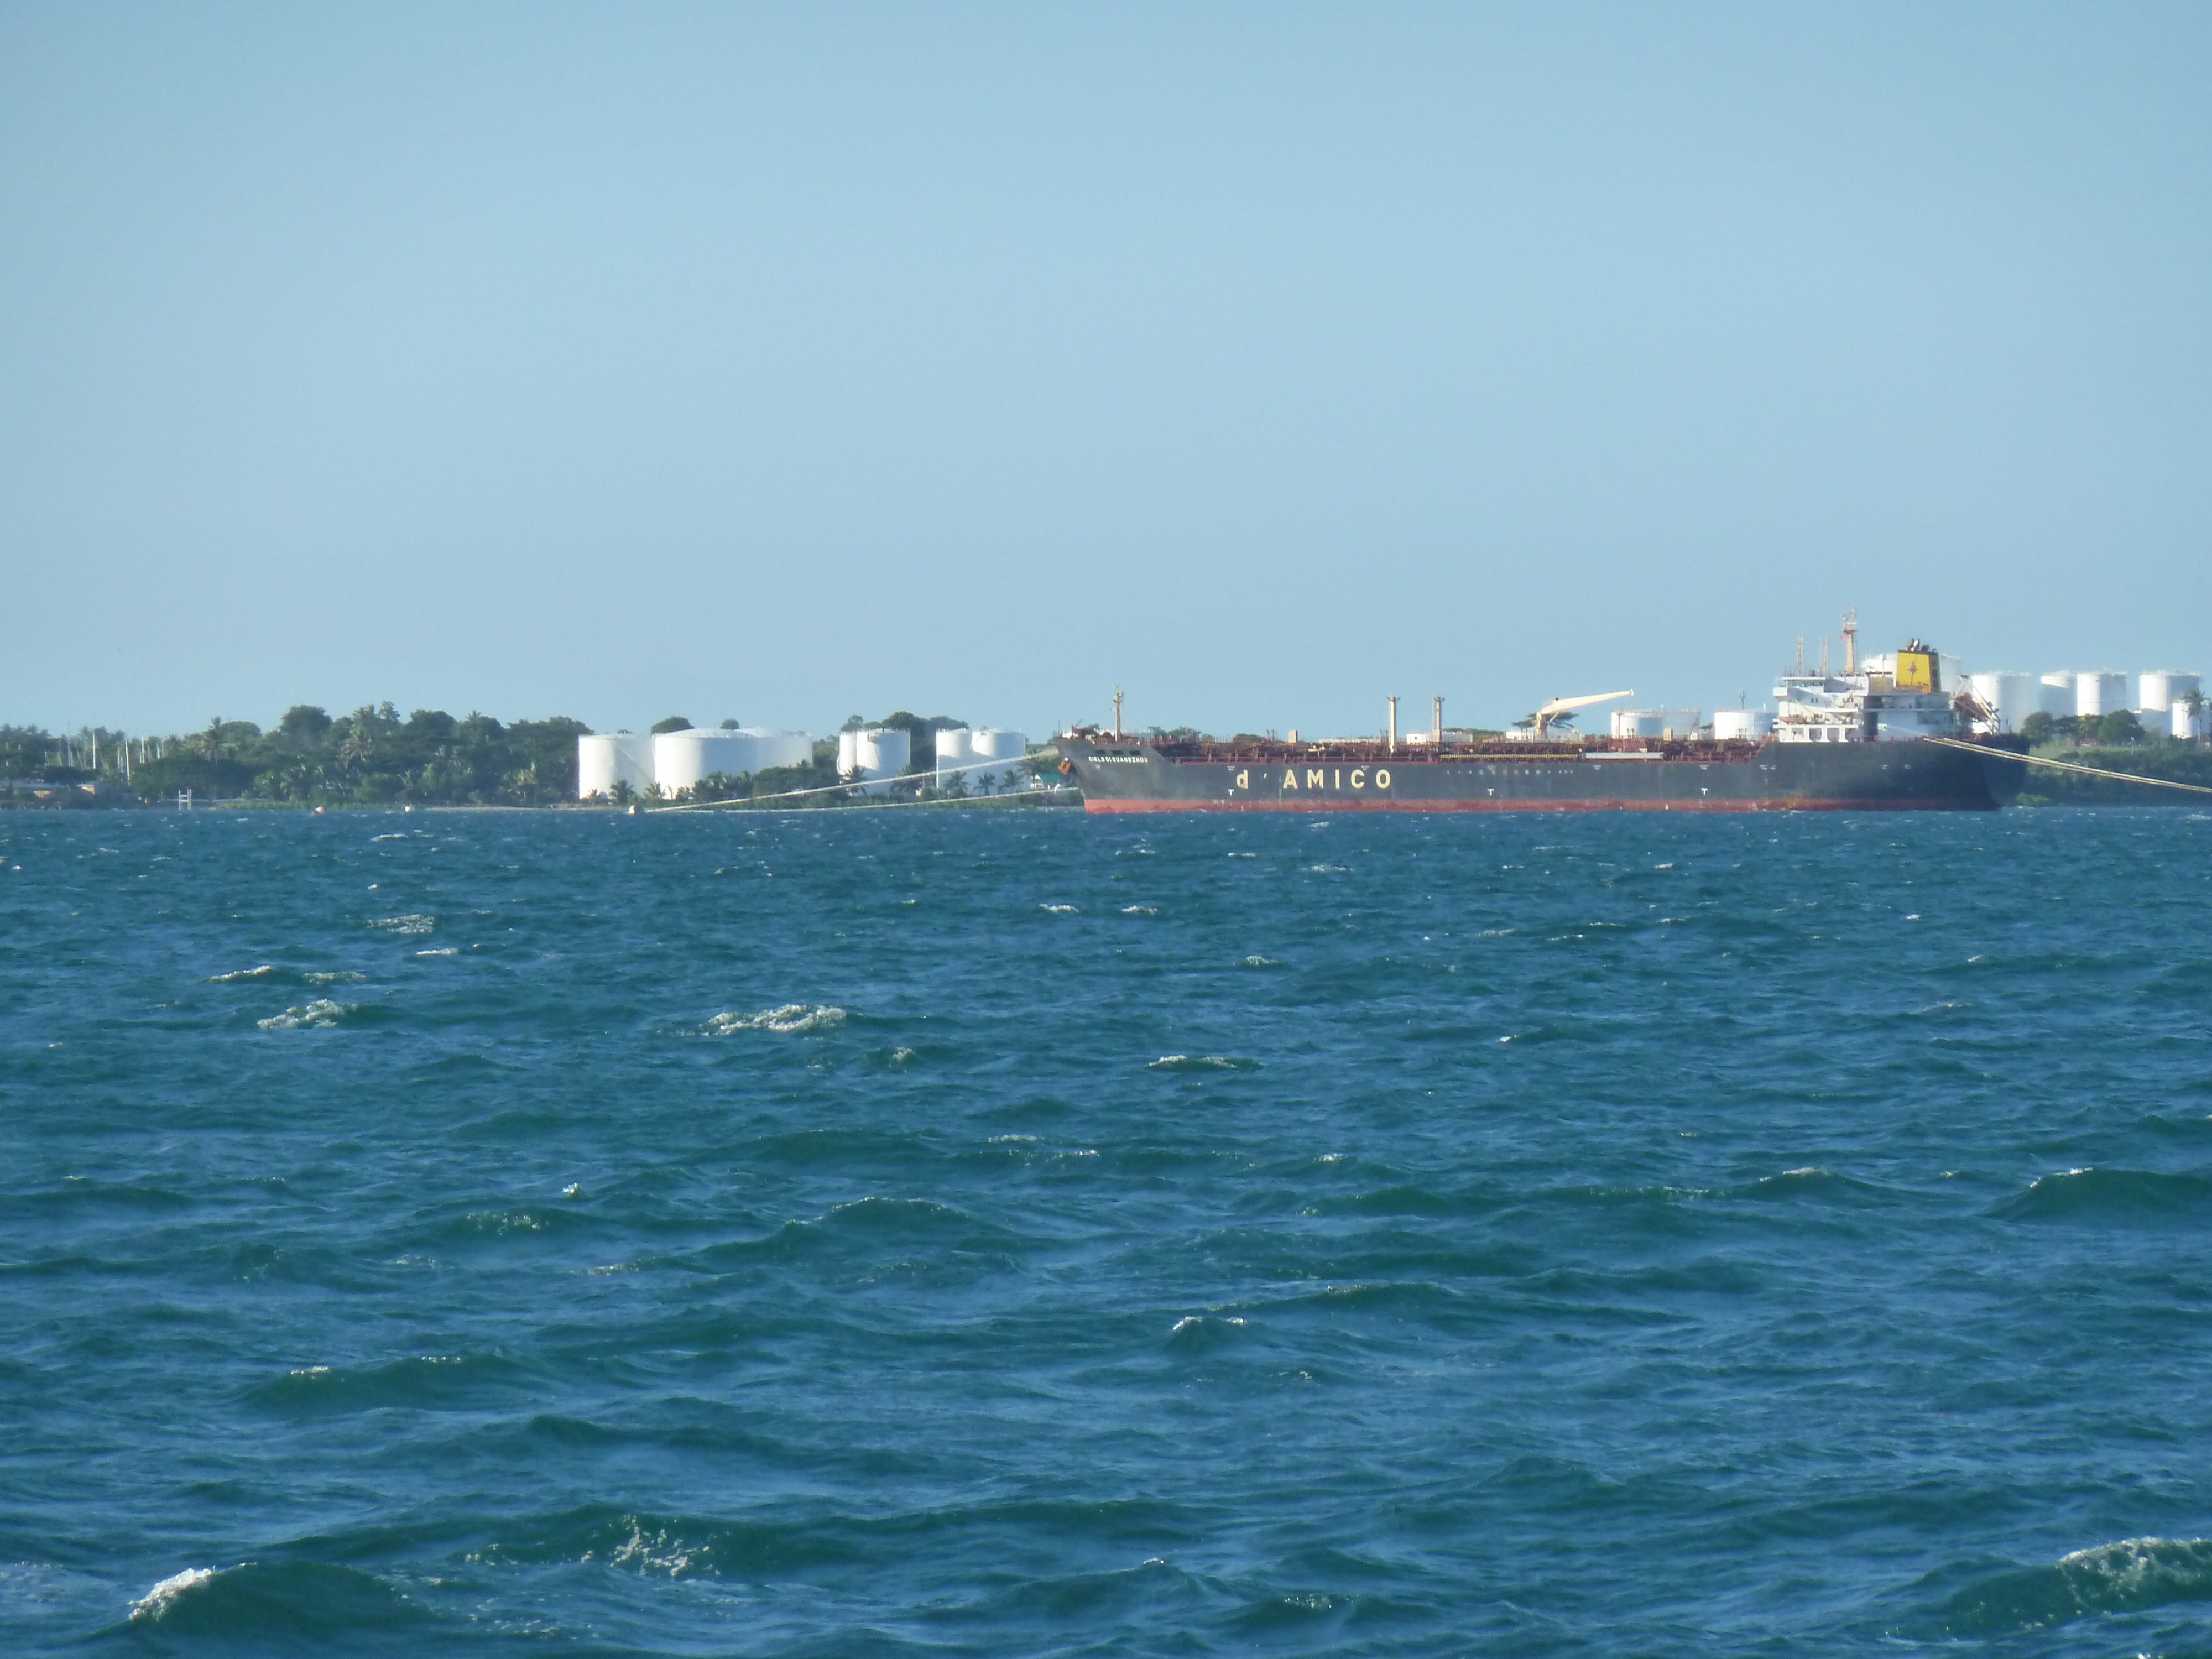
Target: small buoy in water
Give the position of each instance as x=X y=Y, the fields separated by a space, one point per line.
x=319 y=812
x=406 y=809
x=633 y=812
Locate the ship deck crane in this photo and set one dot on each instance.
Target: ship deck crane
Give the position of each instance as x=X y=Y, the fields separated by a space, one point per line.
x=1559 y=705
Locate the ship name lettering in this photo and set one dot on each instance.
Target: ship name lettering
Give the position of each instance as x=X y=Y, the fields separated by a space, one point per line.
x=1382 y=777
x=1314 y=775
x=1244 y=780
x=1290 y=777
x=1359 y=777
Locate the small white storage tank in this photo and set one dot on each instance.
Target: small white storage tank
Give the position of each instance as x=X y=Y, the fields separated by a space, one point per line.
x=2100 y=693
x=777 y=748
x=2160 y=689
x=1639 y=722
x=993 y=743
x=953 y=751
x=878 y=755
x=2011 y=697
x=2054 y=697
x=2187 y=723
x=682 y=760
x=604 y=759
x=1741 y=724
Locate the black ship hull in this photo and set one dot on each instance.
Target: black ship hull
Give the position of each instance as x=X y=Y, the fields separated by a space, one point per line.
x=1133 y=774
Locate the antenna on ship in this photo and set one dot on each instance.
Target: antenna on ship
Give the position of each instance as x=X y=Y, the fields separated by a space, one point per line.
x=1798 y=672
x=1117 y=711
x=1437 y=722
x=1824 y=656
x=1393 y=737
x=1851 y=641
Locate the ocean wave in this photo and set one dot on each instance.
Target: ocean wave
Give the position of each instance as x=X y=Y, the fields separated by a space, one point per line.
x=428 y=1382
x=263 y=972
x=2137 y=1197
x=256 y=1601
x=156 y=1602
x=412 y=922
x=319 y=1015
x=2123 y=1577
x=1203 y=1063
x=342 y=976
x=864 y=1226
x=1058 y=909
x=674 y=1546
x=1199 y=1333
x=790 y=1018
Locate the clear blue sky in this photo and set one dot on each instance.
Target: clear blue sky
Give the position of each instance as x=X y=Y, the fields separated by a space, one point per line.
x=791 y=362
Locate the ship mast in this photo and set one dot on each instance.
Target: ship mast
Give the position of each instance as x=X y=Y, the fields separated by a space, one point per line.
x=1851 y=641
x=1117 y=711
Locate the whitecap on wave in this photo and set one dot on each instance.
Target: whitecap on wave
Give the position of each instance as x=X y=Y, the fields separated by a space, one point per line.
x=155 y=1601
x=413 y=922
x=317 y=1015
x=262 y=972
x=790 y=1018
x=1203 y=1063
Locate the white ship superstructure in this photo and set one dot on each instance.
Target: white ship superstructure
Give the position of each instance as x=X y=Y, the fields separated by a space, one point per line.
x=1891 y=699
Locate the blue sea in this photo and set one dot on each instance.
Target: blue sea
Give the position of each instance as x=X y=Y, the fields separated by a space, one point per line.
x=906 y=1232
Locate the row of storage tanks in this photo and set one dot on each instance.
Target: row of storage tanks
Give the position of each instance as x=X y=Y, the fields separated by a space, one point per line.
x=678 y=760
x=682 y=760
x=2161 y=695
x=876 y=755
x=2161 y=692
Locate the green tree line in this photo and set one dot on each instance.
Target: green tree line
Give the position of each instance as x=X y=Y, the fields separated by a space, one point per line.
x=368 y=757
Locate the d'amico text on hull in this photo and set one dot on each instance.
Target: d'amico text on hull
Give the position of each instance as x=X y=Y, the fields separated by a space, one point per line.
x=1855 y=742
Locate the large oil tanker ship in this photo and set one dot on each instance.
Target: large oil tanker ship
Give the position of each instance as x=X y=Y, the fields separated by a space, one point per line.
x=1889 y=736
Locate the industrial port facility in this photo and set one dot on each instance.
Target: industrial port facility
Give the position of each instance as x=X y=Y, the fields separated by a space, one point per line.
x=675 y=764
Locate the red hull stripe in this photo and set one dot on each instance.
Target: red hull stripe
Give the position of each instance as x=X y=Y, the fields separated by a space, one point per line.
x=1780 y=804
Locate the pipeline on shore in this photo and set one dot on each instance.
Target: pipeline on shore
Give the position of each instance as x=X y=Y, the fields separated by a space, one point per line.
x=2069 y=766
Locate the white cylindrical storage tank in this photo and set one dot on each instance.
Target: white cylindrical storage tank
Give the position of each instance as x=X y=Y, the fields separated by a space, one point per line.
x=880 y=756
x=992 y=743
x=848 y=753
x=2159 y=690
x=2100 y=693
x=1639 y=722
x=952 y=750
x=769 y=749
x=2011 y=697
x=2055 y=694
x=595 y=765
x=681 y=759
x=604 y=759
x=2186 y=722
x=1741 y=724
